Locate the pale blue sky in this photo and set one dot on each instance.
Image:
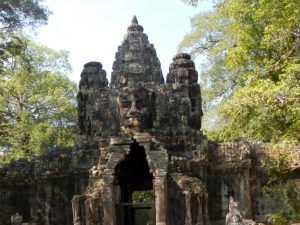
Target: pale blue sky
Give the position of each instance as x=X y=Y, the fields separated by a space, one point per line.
x=91 y=30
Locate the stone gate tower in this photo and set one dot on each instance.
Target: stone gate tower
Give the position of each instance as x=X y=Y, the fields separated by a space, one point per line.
x=146 y=128
x=140 y=157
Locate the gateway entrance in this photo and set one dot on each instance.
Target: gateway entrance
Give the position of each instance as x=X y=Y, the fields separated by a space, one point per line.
x=136 y=189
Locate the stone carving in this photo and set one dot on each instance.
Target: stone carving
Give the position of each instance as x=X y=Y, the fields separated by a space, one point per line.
x=136 y=134
x=183 y=77
x=182 y=70
x=136 y=60
x=136 y=108
x=76 y=203
x=97 y=115
x=234 y=216
x=16 y=219
x=239 y=151
x=87 y=208
x=195 y=199
x=93 y=79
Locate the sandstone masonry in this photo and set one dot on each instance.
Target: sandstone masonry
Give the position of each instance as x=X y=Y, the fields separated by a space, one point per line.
x=138 y=134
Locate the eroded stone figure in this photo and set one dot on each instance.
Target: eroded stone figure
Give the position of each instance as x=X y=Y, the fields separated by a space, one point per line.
x=93 y=206
x=234 y=216
x=76 y=208
x=136 y=107
x=16 y=219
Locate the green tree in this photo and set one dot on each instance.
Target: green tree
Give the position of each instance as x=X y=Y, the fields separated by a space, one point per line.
x=251 y=77
x=143 y=196
x=252 y=68
x=37 y=102
x=191 y=2
x=16 y=15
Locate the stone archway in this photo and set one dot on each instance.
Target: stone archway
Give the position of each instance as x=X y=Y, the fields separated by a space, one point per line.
x=135 y=187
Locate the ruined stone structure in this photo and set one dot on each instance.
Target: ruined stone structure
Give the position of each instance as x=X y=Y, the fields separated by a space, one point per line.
x=137 y=134
x=16 y=219
x=234 y=216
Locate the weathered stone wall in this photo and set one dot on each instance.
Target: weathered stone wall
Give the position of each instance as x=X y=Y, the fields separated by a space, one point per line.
x=159 y=126
x=41 y=190
x=234 y=170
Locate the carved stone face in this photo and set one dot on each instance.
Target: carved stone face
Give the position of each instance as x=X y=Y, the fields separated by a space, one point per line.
x=135 y=42
x=136 y=108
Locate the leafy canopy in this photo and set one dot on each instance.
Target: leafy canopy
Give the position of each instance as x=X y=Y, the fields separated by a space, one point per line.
x=37 y=102
x=16 y=16
x=251 y=83
x=251 y=73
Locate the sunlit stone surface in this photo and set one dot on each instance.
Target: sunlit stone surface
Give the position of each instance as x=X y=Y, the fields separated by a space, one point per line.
x=137 y=134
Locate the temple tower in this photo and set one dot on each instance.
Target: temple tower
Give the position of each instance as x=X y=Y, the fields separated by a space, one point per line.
x=149 y=128
x=136 y=60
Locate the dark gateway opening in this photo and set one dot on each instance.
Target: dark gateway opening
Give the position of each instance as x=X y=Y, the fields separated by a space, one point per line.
x=136 y=189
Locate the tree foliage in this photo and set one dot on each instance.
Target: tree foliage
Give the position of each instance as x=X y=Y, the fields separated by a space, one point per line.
x=16 y=15
x=143 y=196
x=251 y=77
x=37 y=102
x=252 y=71
x=282 y=157
x=191 y=2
